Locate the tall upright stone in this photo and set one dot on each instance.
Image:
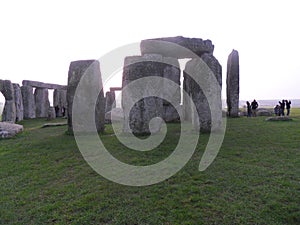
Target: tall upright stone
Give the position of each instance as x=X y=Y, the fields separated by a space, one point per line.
x=18 y=103
x=233 y=85
x=110 y=99
x=138 y=114
x=42 y=103
x=28 y=102
x=171 y=71
x=90 y=71
x=9 y=111
x=207 y=96
x=60 y=102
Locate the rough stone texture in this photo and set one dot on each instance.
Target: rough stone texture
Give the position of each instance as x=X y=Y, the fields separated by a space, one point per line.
x=38 y=84
x=18 y=103
x=28 y=102
x=210 y=78
x=161 y=46
x=9 y=111
x=171 y=71
x=137 y=118
x=110 y=99
x=264 y=112
x=233 y=85
x=60 y=101
x=91 y=69
x=42 y=103
x=8 y=130
x=116 y=114
x=51 y=113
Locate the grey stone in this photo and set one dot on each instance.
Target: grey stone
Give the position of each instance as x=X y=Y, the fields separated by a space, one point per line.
x=167 y=47
x=110 y=99
x=90 y=69
x=42 y=103
x=138 y=117
x=8 y=130
x=51 y=113
x=28 y=102
x=171 y=95
x=18 y=103
x=60 y=102
x=9 y=111
x=37 y=84
x=232 y=83
x=207 y=96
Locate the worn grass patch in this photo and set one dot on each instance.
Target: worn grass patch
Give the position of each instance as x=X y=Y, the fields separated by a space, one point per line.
x=255 y=179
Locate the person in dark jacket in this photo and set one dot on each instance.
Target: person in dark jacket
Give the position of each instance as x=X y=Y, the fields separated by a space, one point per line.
x=282 y=106
x=248 y=109
x=254 y=106
x=288 y=107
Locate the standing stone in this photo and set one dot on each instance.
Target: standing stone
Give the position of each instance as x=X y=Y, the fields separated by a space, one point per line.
x=171 y=71
x=41 y=102
x=137 y=118
x=9 y=111
x=186 y=101
x=60 y=102
x=28 y=102
x=232 y=82
x=18 y=103
x=110 y=99
x=90 y=70
x=207 y=95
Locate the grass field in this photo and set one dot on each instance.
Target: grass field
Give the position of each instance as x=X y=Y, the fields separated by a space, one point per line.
x=255 y=179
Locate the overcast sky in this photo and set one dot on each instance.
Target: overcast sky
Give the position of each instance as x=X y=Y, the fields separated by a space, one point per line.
x=39 y=39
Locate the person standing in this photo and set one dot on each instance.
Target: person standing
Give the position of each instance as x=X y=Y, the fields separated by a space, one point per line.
x=288 y=107
x=248 y=109
x=254 y=106
x=282 y=105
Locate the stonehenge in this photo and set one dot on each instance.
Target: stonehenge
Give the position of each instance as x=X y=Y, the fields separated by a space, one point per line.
x=232 y=84
x=159 y=58
x=29 y=101
x=158 y=96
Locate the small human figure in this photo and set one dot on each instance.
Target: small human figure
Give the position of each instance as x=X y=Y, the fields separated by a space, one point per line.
x=288 y=107
x=248 y=109
x=254 y=106
x=282 y=105
x=276 y=110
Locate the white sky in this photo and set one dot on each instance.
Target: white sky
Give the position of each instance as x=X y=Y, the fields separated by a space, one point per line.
x=39 y=39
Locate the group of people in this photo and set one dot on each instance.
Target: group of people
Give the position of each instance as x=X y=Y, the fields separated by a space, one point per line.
x=279 y=109
x=252 y=108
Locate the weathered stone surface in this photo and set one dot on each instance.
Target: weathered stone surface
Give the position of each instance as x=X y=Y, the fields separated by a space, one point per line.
x=28 y=102
x=161 y=46
x=137 y=118
x=90 y=69
x=18 y=103
x=60 y=102
x=110 y=99
x=37 y=84
x=233 y=85
x=42 y=103
x=51 y=113
x=9 y=111
x=264 y=112
x=171 y=114
x=171 y=95
x=207 y=96
x=8 y=130
x=115 y=115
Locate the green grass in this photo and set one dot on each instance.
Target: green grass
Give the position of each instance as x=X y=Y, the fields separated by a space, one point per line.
x=255 y=179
